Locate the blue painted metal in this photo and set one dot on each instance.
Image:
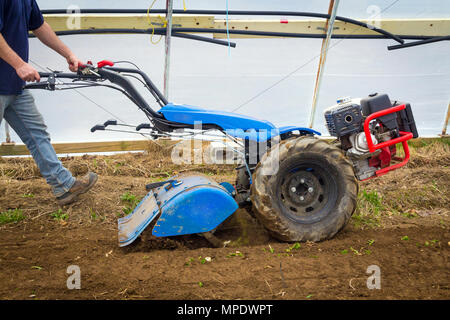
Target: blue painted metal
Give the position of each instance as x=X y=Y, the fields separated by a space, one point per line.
x=303 y=130
x=131 y=226
x=197 y=205
x=236 y=125
x=188 y=205
x=226 y=120
x=263 y=135
x=228 y=187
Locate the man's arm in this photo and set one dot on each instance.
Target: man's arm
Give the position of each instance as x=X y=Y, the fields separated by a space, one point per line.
x=23 y=69
x=48 y=37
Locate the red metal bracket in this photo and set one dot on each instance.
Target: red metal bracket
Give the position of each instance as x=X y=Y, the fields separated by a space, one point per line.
x=404 y=137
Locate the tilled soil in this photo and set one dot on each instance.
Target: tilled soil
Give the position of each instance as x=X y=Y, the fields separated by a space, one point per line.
x=407 y=237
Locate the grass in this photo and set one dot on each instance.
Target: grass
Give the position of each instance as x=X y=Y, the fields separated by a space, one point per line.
x=361 y=251
x=94 y=215
x=130 y=200
x=11 y=216
x=59 y=215
x=27 y=195
x=424 y=189
x=155 y=164
x=374 y=200
x=189 y=262
x=295 y=246
x=356 y=252
x=409 y=214
x=235 y=254
x=369 y=209
x=431 y=243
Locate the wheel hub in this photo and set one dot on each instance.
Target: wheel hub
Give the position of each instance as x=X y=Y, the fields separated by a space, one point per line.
x=304 y=192
x=304 y=188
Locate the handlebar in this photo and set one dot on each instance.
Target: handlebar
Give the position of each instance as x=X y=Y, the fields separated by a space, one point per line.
x=62 y=75
x=106 y=71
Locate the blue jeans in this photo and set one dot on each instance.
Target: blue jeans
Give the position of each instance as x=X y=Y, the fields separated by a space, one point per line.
x=22 y=115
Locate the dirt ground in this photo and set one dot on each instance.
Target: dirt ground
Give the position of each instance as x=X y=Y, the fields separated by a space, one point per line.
x=402 y=225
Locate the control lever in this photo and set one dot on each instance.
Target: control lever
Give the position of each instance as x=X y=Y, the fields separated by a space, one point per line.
x=97 y=127
x=103 y=63
x=110 y=123
x=143 y=126
x=50 y=84
x=154 y=185
x=51 y=81
x=87 y=69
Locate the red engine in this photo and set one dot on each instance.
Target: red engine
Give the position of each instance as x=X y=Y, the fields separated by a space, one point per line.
x=369 y=129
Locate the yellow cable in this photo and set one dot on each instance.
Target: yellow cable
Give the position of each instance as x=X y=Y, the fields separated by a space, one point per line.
x=151 y=24
x=163 y=20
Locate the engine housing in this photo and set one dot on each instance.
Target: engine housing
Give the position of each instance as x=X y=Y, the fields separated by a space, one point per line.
x=346 y=121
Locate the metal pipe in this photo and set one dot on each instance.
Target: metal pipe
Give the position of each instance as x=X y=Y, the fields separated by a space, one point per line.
x=8 y=136
x=169 y=8
x=444 y=129
x=419 y=43
x=153 y=89
x=332 y=10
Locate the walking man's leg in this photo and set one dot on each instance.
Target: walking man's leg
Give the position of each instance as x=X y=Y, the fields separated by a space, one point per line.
x=28 y=123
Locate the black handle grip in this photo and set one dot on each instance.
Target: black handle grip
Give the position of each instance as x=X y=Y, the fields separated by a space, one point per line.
x=37 y=85
x=155 y=185
x=97 y=127
x=143 y=126
x=110 y=123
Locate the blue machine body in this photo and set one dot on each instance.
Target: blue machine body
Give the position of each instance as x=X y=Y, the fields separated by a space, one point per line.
x=195 y=204
x=236 y=125
x=189 y=205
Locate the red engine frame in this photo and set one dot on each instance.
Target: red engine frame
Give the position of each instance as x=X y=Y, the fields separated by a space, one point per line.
x=404 y=137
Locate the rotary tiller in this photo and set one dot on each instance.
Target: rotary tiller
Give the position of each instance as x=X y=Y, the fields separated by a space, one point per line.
x=298 y=186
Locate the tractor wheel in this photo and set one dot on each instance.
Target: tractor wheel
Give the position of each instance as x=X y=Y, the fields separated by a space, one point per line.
x=312 y=195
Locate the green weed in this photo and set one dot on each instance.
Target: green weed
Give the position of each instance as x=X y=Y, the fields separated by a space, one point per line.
x=59 y=215
x=295 y=246
x=131 y=201
x=235 y=254
x=11 y=216
x=369 y=209
x=28 y=195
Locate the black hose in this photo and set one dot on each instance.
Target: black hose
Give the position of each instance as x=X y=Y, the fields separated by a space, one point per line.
x=275 y=34
x=236 y=12
x=418 y=43
x=141 y=31
x=194 y=37
x=178 y=32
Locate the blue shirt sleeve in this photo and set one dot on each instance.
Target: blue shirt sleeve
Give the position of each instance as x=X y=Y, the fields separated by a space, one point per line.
x=36 y=18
